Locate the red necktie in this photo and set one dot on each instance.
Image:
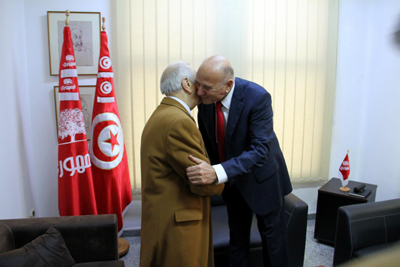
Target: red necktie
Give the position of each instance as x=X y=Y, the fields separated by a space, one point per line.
x=220 y=132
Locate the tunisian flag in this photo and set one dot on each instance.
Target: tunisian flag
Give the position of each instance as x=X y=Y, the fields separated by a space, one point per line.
x=107 y=151
x=75 y=185
x=344 y=170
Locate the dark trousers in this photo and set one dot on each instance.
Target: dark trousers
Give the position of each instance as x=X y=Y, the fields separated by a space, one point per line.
x=272 y=228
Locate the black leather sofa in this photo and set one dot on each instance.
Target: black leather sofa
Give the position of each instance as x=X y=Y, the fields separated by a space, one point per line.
x=296 y=220
x=91 y=240
x=366 y=228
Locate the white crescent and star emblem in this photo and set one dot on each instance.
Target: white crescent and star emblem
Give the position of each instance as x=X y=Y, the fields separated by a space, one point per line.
x=105 y=62
x=110 y=142
x=106 y=87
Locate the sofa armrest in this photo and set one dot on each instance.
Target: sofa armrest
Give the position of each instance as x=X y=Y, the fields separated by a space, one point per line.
x=88 y=238
x=365 y=225
x=6 y=238
x=296 y=228
x=296 y=209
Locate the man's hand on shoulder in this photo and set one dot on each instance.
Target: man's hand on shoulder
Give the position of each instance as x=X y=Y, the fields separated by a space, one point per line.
x=202 y=173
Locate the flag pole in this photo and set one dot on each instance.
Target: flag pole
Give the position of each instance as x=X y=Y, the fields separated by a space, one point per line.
x=67 y=20
x=123 y=244
x=345 y=188
x=76 y=194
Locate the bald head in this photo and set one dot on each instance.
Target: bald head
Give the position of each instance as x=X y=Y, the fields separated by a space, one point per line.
x=215 y=79
x=218 y=66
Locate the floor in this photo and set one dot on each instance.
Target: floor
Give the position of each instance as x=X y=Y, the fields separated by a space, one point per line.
x=316 y=253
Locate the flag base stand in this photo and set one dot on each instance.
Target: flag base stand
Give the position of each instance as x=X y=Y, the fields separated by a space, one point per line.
x=344 y=189
x=123 y=247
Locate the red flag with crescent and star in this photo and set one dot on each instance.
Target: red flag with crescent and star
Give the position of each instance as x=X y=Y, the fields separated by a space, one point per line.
x=107 y=151
x=75 y=184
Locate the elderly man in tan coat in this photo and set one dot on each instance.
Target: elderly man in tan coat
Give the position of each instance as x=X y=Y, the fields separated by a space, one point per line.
x=176 y=215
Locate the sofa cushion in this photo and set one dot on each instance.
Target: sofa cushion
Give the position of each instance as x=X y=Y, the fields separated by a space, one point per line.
x=47 y=250
x=116 y=263
x=368 y=232
x=220 y=230
x=6 y=238
x=368 y=250
x=393 y=229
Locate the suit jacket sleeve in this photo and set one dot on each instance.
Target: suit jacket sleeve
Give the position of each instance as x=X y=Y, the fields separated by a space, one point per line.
x=260 y=133
x=184 y=139
x=211 y=145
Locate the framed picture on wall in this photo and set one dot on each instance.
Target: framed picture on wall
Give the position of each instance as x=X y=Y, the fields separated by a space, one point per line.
x=87 y=93
x=85 y=35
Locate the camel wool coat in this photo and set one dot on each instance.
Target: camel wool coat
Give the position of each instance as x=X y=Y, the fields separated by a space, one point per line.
x=176 y=215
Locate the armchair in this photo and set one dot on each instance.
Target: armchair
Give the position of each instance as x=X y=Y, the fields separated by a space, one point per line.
x=365 y=228
x=296 y=227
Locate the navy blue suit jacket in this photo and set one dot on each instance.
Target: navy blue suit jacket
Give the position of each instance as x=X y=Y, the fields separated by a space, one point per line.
x=254 y=160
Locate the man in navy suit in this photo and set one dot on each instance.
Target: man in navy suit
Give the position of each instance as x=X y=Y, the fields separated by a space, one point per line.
x=247 y=158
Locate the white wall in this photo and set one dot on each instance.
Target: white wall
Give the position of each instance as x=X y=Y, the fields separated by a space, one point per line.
x=16 y=148
x=366 y=104
x=381 y=159
x=352 y=55
x=367 y=110
x=29 y=23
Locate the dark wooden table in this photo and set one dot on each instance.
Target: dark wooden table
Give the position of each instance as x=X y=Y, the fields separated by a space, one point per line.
x=330 y=198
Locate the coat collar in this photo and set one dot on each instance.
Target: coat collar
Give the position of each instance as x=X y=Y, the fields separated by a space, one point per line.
x=172 y=102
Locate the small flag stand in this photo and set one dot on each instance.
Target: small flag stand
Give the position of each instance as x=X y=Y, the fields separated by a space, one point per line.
x=344 y=189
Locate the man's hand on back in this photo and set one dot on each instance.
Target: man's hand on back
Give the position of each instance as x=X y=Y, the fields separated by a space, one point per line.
x=202 y=173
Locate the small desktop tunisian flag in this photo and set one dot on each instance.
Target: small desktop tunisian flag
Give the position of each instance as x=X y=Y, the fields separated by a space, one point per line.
x=107 y=151
x=344 y=170
x=75 y=185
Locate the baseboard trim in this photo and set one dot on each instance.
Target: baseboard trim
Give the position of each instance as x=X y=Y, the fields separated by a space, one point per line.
x=311 y=216
x=135 y=232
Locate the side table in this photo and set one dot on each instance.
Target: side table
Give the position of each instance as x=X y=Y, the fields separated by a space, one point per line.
x=330 y=198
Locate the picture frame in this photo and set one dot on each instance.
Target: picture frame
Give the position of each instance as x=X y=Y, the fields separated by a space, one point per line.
x=87 y=93
x=85 y=34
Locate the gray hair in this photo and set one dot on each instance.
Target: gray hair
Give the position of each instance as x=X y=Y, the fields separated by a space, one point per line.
x=228 y=73
x=171 y=78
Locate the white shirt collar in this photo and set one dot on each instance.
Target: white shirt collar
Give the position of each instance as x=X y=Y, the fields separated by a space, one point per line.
x=226 y=102
x=182 y=103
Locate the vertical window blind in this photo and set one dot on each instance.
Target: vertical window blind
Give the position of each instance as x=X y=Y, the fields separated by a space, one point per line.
x=287 y=46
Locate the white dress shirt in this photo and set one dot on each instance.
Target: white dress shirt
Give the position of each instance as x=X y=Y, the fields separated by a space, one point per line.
x=222 y=177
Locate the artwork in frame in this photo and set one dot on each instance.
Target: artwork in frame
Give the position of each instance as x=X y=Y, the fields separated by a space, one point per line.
x=85 y=35
x=87 y=93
